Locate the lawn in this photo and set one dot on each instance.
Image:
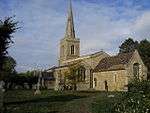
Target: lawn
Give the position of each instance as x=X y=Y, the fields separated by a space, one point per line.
x=24 y=101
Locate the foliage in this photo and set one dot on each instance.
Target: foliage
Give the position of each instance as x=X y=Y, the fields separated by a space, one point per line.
x=139 y=86
x=8 y=69
x=128 y=102
x=19 y=79
x=72 y=75
x=129 y=45
x=132 y=103
x=9 y=64
x=7 y=28
x=143 y=47
x=144 y=51
x=135 y=101
x=27 y=77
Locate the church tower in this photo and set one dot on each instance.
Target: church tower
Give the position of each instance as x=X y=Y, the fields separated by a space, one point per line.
x=69 y=45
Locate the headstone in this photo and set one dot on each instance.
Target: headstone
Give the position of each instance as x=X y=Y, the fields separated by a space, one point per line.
x=34 y=86
x=38 y=92
x=26 y=86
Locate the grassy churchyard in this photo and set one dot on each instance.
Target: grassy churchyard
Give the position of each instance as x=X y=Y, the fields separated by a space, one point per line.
x=24 y=101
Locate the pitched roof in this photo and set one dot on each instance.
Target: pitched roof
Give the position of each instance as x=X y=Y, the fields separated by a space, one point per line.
x=113 y=63
x=54 y=67
x=86 y=56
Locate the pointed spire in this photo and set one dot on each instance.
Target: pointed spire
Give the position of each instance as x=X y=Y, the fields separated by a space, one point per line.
x=70 y=32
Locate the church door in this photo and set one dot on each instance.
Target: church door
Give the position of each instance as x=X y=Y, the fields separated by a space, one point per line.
x=106 y=86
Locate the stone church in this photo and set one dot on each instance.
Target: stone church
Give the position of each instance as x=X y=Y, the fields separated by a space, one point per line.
x=97 y=71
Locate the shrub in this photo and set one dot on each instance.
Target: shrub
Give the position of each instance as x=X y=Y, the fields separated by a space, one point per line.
x=132 y=103
x=139 y=86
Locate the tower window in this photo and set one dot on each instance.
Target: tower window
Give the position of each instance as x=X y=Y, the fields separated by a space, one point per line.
x=72 y=50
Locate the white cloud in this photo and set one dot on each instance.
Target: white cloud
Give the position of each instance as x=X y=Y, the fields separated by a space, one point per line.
x=99 y=26
x=141 y=27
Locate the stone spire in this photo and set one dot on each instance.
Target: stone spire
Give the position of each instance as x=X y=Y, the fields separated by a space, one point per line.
x=70 y=32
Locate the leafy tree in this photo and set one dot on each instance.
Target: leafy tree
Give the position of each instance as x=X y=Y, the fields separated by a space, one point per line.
x=9 y=64
x=144 y=51
x=72 y=75
x=143 y=47
x=19 y=79
x=9 y=69
x=7 y=28
x=129 y=45
x=27 y=77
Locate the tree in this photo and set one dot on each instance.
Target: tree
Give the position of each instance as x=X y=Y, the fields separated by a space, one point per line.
x=9 y=64
x=9 y=70
x=72 y=75
x=7 y=28
x=129 y=45
x=143 y=47
x=144 y=51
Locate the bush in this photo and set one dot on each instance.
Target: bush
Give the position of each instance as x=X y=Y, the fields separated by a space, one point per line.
x=139 y=86
x=132 y=103
x=137 y=100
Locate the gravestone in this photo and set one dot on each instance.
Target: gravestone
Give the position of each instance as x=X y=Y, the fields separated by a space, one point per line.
x=37 y=92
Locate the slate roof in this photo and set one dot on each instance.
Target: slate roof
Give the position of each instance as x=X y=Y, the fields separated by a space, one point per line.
x=113 y=63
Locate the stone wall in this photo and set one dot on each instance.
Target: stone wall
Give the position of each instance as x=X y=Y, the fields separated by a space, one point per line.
x=142 y=68
x=116 y=80
x=85 y=85
x=65 y=49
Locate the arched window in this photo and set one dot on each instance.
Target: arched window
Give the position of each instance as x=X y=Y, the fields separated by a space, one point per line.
x=81 y=74
x=72 y=50
x=91 y=78
x=136 y=70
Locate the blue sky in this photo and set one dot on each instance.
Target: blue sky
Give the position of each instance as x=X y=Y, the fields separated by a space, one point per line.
x=100 y=25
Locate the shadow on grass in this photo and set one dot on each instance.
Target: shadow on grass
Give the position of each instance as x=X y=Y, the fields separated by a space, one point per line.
x=59 y=98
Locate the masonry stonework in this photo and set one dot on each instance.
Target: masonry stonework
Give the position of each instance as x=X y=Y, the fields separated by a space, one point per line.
x=102 y=71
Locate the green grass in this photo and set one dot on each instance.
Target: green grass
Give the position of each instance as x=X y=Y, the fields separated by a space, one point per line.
x=104 y=104
x=24 y=101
